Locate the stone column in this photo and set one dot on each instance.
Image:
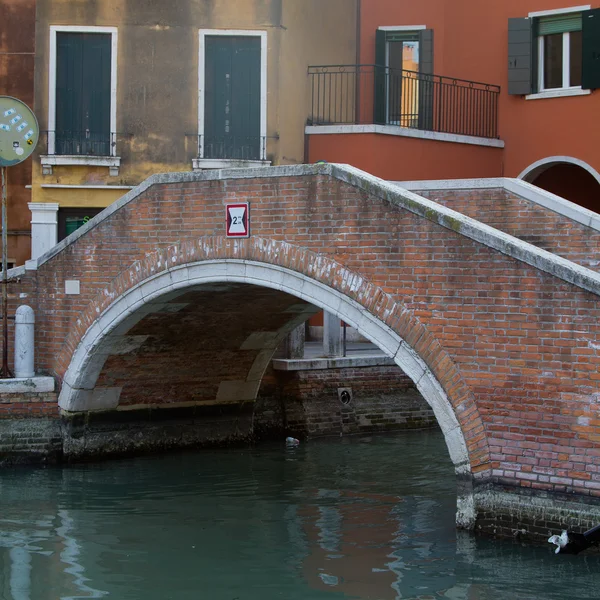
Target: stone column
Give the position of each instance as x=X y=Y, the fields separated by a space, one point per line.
x=332 y=335
x=44 y=227
x=24 y=342
x=293 y=346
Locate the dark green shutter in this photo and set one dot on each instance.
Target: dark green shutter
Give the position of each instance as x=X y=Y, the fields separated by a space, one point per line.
x=83 y=82
x=590 y=79
x=232 y=98
x=520 y=57
x=380 y=77
x=426 y=86
x=426 y=51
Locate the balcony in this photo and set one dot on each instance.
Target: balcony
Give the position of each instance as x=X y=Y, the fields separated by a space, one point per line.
x=375 y=95
x=228 y=151
x=73 y=148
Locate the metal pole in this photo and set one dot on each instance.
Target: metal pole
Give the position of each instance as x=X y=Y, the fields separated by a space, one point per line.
x=5 y=370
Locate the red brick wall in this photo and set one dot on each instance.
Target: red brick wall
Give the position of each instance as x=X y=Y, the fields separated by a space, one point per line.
x=527 y=221
x=515 y=349
x=19 y=405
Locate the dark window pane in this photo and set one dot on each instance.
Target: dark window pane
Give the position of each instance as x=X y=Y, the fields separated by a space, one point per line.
x=576 y=58
x=74 y=223
x=553 y=58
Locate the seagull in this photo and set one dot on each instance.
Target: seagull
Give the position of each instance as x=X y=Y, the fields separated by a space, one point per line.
x=560 y=540
x=569 y=542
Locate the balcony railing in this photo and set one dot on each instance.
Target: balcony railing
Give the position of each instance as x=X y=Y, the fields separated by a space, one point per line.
x=81 y=143
x=232 y=147
x=371 y=94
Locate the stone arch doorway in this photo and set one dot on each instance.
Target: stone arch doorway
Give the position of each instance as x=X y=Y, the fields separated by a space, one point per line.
x=79 y=393
x=568 y=178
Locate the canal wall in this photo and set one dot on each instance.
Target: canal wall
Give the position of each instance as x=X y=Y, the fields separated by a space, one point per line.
x=308 y=400
x=30 y=429
x=363 y=395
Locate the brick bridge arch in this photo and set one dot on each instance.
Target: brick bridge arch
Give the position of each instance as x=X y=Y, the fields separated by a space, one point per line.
x=502 y=338
x=320 y=282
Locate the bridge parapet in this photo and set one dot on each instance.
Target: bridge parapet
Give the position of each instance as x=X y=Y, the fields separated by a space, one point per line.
x=523 y=211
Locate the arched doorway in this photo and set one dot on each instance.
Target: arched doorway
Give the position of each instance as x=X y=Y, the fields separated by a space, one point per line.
x=568 y=178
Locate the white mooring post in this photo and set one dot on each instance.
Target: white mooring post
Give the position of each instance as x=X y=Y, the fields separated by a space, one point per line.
x=24 y=342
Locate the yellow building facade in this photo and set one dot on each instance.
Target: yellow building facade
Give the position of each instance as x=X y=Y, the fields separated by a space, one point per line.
x=128 y=88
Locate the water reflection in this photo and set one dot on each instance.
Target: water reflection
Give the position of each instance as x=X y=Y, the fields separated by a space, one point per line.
x=362 y=518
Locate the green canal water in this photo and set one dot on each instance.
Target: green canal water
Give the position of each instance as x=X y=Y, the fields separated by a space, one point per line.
x=361 y=518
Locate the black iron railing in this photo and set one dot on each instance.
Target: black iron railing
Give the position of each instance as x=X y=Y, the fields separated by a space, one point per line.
x=371 y=94
x=81 y=143
x=232 y=147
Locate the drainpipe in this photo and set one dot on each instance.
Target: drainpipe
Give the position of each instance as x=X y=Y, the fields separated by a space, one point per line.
x=358 y=46
x=358 y=29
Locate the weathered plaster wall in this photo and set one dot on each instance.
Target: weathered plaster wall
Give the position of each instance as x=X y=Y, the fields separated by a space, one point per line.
x=157 y=113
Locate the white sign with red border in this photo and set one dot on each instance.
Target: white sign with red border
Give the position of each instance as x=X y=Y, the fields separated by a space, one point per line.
x=237 y=219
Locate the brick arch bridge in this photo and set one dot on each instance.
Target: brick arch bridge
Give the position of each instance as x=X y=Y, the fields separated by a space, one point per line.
x=150 y=306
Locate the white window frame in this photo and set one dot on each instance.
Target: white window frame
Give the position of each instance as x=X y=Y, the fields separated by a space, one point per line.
x=566 y=64
x=203 y=34
x=113 y=160
x=567 y=89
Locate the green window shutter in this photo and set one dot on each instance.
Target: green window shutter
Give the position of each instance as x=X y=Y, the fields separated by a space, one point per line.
x=520 y=57
x=426 y=87
x=559 y=24
x=426 y=51
x=590 y=79
x=83 y=82
x=380 y=77
x=232 y=98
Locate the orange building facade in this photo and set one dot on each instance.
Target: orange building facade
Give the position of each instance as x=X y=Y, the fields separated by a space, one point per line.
x=535 y=117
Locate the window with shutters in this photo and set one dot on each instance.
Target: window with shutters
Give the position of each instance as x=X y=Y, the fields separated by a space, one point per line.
x=82 y=109
x=554 y=53
x=232 y=108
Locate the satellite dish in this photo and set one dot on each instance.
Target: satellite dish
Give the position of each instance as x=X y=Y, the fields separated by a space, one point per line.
x=19 y=131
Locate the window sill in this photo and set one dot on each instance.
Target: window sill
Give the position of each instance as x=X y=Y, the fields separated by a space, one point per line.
x=200 y=164
x=54 y=160
x=558 y=93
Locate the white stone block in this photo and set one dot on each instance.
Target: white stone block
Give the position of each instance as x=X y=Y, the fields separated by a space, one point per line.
x=410 y=362
x=72 y=287
x=206 y=271
x=239 y=391
x=235 y=270
x=27 y=385
x=379 y=333
x=261 y=339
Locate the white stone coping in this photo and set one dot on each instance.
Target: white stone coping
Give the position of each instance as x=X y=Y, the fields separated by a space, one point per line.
x=391 y=192
x=210 y=163
x=31 y=385
x=337 y=362
x=558 y=93
x=76 y=159
x=525 y=190
x=404 y=132
x=66 y=186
